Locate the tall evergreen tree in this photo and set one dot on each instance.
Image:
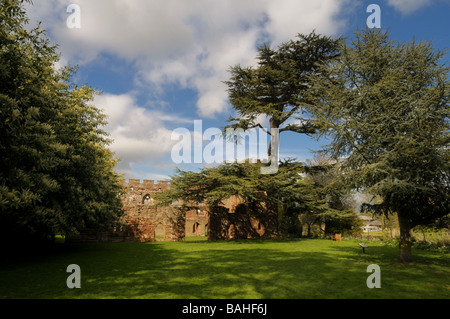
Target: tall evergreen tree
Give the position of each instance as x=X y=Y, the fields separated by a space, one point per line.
x=56 y=172
x=278 y=87
x=386 y=107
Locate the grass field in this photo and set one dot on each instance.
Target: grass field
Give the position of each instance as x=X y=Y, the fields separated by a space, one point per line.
x=294 y=269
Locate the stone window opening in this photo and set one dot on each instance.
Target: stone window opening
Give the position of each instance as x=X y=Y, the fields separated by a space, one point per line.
x=147 y=199
x=195 y=227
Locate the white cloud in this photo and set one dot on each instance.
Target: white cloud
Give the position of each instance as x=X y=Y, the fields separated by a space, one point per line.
x=177 y=44
x=288 y=18
x=139 y=134
x=408 y=6
x=186 y=43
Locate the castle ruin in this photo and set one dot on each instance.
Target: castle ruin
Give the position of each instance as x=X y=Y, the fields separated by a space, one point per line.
x=145 y=221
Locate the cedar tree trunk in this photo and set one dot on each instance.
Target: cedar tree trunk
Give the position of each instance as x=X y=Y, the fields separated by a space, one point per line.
x=405 y=238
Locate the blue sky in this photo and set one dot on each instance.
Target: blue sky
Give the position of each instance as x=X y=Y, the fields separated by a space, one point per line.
x=160 y=64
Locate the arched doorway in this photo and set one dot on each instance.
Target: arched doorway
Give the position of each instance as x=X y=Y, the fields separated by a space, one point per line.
x=195 y=228
x=160 y=232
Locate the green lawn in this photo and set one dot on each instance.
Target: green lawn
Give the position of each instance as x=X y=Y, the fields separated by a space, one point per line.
x=295 y=269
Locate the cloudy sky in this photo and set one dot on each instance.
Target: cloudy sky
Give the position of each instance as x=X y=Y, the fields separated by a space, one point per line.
x=160 y=64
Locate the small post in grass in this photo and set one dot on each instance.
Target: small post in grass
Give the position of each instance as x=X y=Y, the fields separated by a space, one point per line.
x=363 y=246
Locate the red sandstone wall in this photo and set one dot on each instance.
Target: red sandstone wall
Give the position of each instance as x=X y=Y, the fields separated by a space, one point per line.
x=144 y=221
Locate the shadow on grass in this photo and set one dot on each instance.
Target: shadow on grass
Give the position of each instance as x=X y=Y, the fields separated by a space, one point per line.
x=219 y=273
x=255 y=269
x=427 y=277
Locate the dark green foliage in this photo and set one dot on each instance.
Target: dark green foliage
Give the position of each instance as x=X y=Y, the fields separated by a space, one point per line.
x=385 y=106
x=330 y=203
x=277 y=199
x=278 y=87
x=261 y=195
x=56 y=173
x=289 y=222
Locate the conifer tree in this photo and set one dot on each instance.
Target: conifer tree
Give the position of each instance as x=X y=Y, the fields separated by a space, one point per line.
x=278 y=86
x=260 y=194
x=385 y=105
x=330 y=201
x=56 y=172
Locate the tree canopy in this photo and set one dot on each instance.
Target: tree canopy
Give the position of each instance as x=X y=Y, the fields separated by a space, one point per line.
x=261 y=194
x=277 y=198
x=56 y=171
x=330 y=204
x=385 y=107
x=279 y=86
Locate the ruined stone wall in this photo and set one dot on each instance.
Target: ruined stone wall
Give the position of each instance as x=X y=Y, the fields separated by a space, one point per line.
x=235 y=220
x=143 y=220
x=197 y=222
